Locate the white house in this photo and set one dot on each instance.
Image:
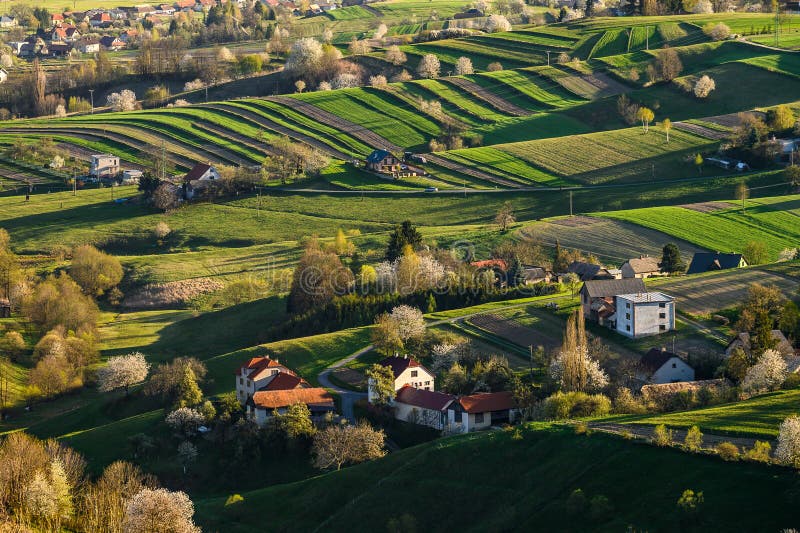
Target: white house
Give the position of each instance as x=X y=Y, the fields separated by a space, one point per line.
x=423 y=407
x=407 y=371
x=263 y=405
x=480 y=411
x=644 y=313
x=131 y=177
x=104 y=165
x=7 y=22
x=201 y=175
x=660 y=366
x=258 y=373
x=3 y=75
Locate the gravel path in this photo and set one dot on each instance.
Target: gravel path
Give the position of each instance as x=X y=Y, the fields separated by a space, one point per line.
x=493 y=100
x=678 y=435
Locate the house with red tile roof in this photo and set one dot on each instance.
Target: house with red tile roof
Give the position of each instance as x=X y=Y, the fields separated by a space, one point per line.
x=423 y=407
x=255 y=374
x=198 y=178
x=263 y=405
x=480 y=411
x=407 y=372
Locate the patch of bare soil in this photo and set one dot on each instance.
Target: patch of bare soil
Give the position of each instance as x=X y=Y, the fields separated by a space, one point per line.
x=171 y=294
x=576 y=221
x=707 y=207
x=350 y=377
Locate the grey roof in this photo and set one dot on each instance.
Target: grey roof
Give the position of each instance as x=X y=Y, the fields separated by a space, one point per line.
x=646 y=297
x=585 y=271
x=655 y=359
x=600 y=288
x=706 y=261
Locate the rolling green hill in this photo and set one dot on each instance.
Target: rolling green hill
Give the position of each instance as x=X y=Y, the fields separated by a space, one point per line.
x=491 y=482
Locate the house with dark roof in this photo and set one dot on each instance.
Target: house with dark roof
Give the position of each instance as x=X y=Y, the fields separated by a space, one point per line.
x=407 y=372
x=537 y=274
x=383 y=161
x=590 y=271
x=643 y=267
x=711 y=261
x=742 y=341
x=109 y=42
x=198 y=178
x=660 y=366
x=597 y=296
x=423 y=407
x=263 y=405
x=481 y=411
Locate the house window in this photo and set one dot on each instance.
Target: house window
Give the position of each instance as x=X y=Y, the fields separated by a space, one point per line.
x=662 y=305
x=628 y=327
x=479 y=418
x=627 y=316
x=414 y=373
x=427 y=383
x=627 y=306
x=674 y=365
x=662 y=315
x=241 y=381
x=662 y=327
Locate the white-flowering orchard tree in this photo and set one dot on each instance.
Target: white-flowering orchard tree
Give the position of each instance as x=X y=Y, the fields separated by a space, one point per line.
x=704 y=86
x=409 y=322
x=305 y=57
x=123 y=371
x=395 y=56
x=788 y=450
x=124 y=100
x=464 y=66
x=768 y=373
x=497 y=23
x=185 y=420
x=429 y=66
x=159 y=510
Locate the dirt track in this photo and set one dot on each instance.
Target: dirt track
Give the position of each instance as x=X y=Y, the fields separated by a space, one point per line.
x=495 y=101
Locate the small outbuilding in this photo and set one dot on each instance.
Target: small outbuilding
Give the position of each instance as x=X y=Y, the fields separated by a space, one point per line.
x=711 y=261
x=660 y=366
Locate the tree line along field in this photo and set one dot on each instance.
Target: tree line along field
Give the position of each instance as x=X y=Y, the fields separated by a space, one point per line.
x=771 y=221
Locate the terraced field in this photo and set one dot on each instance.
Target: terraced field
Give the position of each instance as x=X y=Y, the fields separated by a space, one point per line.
x=775 y=222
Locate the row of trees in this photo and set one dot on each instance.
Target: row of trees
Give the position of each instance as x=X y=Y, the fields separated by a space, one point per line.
x=44 y=487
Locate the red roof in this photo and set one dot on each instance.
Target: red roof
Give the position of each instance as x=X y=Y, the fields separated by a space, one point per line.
x=491 y=263
x=426 y=399
x=285 y=381
x=197 y=172
x=258 y=363
x=275 y=399
x=487 y=401
x=184 y=3
x=399 y=364
x=57 y=16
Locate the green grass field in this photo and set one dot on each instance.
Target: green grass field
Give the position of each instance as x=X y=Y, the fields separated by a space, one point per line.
x=772 y=221
x=549 y=463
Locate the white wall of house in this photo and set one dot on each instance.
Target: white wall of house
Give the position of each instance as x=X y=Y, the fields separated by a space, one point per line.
x=246 y=387
x=417 y=377
x=673 y=371
x=419 y=415
x=104 y=165
x=466 y=422
x=639 y=319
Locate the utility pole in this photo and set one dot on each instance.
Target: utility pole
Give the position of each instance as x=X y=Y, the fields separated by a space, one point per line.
x=548 y=58
x=570 y=203
x=91 y=97
x=777 y=21
x=647 y=37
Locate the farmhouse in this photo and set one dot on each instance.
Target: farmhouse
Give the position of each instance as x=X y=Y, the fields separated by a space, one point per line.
x=642 y=267
x=109 y=42
x=535 y=274
x=590 y=271
x=407 y=372
x=7 y=22
x=383 y=161
x=263 y=405
x=258 y=373
x=742 y=341
x=423 y=407
x=198 y=178
x=711 y=261
x=88 y=46
x=642 y=314
x=103 y=165
x=480 y=411
x=660 y=366
x=131 y=177
x=597 y=296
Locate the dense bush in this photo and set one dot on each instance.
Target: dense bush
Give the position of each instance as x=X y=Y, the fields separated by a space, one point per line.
x=575 y=405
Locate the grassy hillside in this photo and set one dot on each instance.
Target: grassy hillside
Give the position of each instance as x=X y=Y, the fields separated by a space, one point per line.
x=760 y=416
x=772 y=221
x=495 y=483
